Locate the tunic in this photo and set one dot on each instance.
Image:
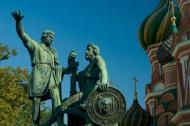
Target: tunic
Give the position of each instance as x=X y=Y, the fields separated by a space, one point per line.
x=46 y=72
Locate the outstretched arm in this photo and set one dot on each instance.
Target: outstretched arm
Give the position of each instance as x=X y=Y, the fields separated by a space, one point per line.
x=27 y=41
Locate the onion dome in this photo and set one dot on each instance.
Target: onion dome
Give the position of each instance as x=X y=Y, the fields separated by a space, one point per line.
x=136 y=115
x=155 y=28
x=164 y=53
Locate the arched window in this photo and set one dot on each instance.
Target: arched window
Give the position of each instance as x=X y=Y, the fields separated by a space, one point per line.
x=164 y=119
x=186 y=36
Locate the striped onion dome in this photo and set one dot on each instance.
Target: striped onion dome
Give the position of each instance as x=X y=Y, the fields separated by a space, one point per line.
x=155 y=28
x=136 y=116
x=164 y=53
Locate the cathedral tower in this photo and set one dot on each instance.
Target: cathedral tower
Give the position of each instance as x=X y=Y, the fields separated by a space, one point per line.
x=157 y=34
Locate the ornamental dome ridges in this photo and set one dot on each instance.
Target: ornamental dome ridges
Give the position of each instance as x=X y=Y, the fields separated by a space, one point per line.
x=155 y=27
x=136 y=116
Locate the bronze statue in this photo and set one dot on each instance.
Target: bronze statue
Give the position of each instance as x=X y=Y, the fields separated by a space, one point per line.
x=92 y=80
x=46 y=72
x=93 y=77
x=96 y=103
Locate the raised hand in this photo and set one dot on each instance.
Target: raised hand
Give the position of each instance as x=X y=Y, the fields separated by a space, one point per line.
x=17 y=15
x=72 y=64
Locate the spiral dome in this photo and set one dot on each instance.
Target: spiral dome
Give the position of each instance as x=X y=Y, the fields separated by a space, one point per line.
x=156 y=27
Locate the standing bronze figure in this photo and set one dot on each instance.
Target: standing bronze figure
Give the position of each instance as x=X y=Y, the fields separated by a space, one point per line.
x=46 y=72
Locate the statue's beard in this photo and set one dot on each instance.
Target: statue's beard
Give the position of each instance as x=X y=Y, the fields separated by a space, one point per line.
x=48 y=43
x=88 y=57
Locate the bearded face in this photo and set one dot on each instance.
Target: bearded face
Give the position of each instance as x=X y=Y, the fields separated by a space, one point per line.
x=48 y=39
x=89 y=54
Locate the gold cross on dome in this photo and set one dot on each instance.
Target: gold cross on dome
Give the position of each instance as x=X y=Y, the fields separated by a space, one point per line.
x=135 y=82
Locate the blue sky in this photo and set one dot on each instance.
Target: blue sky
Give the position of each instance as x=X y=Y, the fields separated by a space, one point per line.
x=111 y=24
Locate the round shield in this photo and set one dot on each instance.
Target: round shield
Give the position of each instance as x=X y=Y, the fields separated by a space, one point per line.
x=107 y=107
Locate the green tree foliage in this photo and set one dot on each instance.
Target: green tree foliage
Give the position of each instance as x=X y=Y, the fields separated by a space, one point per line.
x=15 y=107
x=6 y=52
